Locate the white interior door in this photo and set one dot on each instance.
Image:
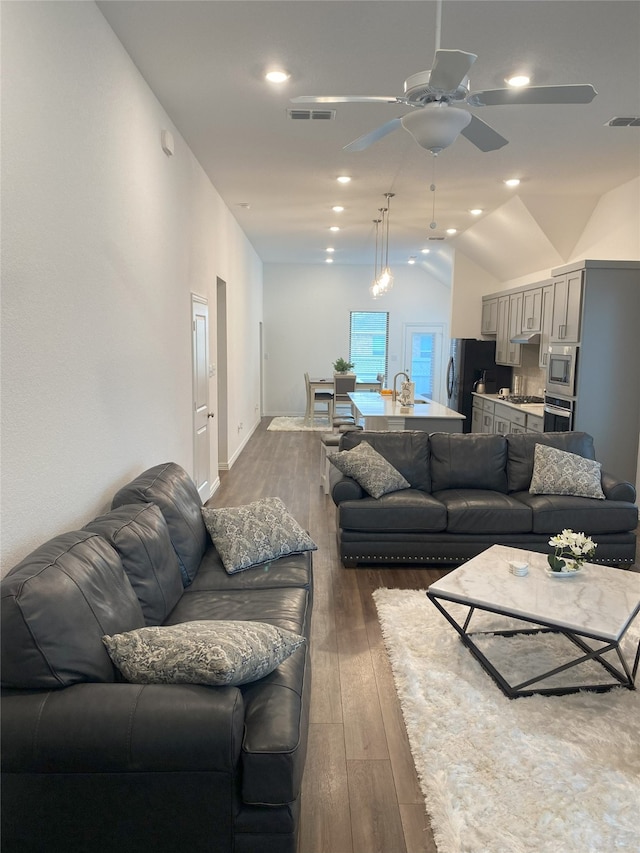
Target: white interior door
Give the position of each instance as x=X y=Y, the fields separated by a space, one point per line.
x=200 y=369
x=423 y=358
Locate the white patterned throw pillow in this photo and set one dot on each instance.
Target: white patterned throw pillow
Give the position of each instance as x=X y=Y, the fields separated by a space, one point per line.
x=371 y=470
x=558 y=472
x=202 y=652
x=255 y=533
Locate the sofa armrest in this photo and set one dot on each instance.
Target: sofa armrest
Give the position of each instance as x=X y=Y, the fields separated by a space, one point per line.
x=110 y=728
x=344 y=488
x=616 y=489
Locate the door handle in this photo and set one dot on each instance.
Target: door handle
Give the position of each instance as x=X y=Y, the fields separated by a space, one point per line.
x=211 y=415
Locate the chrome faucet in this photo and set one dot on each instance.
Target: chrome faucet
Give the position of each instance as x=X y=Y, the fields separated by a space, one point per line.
x=395 y=393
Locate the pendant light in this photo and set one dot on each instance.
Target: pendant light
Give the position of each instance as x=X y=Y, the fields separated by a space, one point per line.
x=385 y=279
x=374 y=289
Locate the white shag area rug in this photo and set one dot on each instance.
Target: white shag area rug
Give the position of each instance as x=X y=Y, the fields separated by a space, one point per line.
x=296 y=424
x=537 y=774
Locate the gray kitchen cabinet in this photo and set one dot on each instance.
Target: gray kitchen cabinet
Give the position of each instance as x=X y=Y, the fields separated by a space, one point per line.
x=567 y=304
x=535 y=423
x=476 y=415
x=507 y=419
x=502 y=339
x=545 y=325
x=514 y=356
x=531 y=310
x=488 y=407
x=490 y=316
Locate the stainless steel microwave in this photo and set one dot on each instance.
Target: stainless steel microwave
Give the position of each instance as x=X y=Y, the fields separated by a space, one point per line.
x=562 y=366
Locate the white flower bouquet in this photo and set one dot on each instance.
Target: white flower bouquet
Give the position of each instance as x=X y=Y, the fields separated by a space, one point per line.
x=571 y=551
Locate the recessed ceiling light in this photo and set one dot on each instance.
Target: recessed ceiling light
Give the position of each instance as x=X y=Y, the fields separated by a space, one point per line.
x=518 y=80
x=343 y=179
x=512 y=182
x=277 y=75
x=329 y=249
x=476 y=211
x=425 y=251
x=334 y=228
x=337 y=208
x=328 y=260
x=411 y=260
x=452 y=230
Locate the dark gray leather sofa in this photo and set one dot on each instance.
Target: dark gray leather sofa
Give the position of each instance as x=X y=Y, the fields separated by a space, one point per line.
x=468 y=492
x=91 y=763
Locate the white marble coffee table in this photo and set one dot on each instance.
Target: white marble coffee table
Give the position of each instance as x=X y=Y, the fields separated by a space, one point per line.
x=598 y=604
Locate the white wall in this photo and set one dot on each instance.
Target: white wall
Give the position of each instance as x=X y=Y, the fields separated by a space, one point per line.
x=104 y=238
x=306 y=317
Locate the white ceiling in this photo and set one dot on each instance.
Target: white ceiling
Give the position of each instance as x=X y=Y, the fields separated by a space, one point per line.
x=205 y=61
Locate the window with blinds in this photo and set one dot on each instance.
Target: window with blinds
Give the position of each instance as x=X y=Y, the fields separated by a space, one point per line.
x=368 y=344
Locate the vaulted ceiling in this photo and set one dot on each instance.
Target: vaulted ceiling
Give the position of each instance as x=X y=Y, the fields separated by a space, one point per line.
x=205 y=63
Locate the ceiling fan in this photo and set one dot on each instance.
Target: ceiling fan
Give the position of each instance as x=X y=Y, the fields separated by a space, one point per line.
x=436 y=120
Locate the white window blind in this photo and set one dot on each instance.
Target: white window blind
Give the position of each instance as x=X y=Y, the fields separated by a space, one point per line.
x=368 y=344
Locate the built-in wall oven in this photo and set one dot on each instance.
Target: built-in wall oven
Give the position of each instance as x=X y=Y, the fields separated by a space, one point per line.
x=562 y=365
x=558 y=414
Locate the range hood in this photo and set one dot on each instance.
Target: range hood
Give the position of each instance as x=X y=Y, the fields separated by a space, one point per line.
x=526 y=338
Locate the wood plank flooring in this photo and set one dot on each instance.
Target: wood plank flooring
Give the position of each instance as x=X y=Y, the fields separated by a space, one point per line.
x=360 y=789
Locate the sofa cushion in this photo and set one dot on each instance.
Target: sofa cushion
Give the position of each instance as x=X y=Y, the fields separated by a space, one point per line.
x=468 y=461
x=482 y=511
x=521 y=451
x=370 y=469
x=209 y=652
x=407 y=451
x=405 y=511
x=56 y=606
x=553 y=513
x=556 y=472
x=172 y=489
x=294 y=570
x=255 y=533
x=139 y=534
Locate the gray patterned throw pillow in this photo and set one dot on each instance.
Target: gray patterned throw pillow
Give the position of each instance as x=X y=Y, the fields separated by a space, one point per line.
x=371 y=470
x=201 y=652
x=256 y=533
x=557 y=472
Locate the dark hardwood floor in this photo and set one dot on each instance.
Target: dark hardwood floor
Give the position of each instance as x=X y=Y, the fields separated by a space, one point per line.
x=360 y=790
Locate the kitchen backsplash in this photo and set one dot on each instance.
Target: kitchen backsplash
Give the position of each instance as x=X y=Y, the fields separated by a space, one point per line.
x=533 y=376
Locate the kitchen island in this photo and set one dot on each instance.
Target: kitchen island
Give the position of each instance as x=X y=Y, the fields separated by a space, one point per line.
x=381 y=412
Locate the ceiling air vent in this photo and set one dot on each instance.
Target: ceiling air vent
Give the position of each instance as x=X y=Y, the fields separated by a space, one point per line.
x=624 y=121
x=327 y=115
x=435 y=238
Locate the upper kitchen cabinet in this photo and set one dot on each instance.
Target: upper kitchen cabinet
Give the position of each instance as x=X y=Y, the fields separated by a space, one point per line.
x=532 y=310
x=565 y=314
x=545 y=326
x=490 y=316
x=509 y=323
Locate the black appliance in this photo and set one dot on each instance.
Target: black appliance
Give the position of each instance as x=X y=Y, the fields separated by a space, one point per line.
x=471 y=360
x=558 y=414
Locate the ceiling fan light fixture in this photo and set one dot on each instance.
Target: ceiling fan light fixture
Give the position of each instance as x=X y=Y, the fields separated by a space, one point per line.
x=435 y=126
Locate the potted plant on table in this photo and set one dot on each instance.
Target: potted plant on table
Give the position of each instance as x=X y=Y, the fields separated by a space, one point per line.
x=571 y=551
x=342 y=366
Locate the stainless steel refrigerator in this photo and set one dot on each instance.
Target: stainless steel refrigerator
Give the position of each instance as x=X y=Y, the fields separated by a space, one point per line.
x=472 y=361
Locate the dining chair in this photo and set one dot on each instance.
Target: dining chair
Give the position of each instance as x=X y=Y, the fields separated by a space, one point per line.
x=343 y=385
x=316 y=398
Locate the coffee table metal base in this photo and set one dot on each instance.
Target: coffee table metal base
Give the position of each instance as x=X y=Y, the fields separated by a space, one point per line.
x=625 y=676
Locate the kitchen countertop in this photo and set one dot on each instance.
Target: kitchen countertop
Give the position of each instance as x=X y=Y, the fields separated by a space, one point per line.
x=536 y=409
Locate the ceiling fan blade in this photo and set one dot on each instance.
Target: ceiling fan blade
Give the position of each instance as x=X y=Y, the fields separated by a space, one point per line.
x=482 y=136
x=582 y=93
x=450 y=67
x=368 y=139
x=344 y=99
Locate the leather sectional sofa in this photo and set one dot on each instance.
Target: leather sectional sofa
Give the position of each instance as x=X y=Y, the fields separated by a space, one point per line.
x=93 y=763
x=468 y=492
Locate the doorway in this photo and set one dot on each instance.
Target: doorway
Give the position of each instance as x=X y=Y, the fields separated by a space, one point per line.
x=423 y=357
x=221 y=357
x=200 y=386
